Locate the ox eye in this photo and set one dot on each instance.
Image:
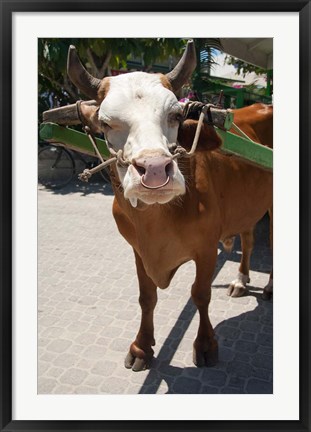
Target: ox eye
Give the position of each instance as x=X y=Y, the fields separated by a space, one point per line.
x=105 y=125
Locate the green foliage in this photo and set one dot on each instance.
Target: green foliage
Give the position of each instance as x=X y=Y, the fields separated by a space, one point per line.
x=243 y=67
x=252 y=88
x=99 y=56
x=207 y=50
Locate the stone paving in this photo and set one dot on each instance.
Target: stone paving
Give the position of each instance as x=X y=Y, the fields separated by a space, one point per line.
x=88 y=312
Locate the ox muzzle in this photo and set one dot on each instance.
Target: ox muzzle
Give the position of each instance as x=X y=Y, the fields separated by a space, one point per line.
x=154 y=171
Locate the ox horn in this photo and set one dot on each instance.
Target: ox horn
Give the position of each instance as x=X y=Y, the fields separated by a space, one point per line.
x=184 y=68
x=79 y=75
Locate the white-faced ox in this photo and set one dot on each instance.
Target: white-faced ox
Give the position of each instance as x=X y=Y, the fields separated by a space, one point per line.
x=173 y=211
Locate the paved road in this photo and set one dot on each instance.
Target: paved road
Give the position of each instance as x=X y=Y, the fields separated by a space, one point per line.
x=88 y=309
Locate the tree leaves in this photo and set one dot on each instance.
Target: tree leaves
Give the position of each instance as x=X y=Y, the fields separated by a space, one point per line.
x=243 y=67
x=99 y=56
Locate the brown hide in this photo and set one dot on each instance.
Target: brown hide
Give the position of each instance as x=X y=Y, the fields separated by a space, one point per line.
x=257 y=122
x=224 y=197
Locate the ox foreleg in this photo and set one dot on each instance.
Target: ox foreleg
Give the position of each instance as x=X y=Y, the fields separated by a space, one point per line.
x=141 y=353
x=205 y=347
x=238 y=286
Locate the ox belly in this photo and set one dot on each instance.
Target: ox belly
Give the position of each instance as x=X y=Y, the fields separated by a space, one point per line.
x=243 y=193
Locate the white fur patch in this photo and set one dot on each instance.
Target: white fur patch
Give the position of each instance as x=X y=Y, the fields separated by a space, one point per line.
x=241 y=280
x=136 y=108
x=133 y=202
x=142 y=118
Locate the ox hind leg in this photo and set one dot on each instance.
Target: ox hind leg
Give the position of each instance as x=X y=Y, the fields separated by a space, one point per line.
x=141 y=353
x=205 y=347
x=237 y=288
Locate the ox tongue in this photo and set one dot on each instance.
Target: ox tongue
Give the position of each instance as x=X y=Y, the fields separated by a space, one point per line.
x=133 y=201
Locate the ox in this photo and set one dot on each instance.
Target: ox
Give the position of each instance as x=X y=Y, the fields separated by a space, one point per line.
x=173 y=211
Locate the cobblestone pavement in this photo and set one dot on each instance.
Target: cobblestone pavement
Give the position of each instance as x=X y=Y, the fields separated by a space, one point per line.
x=88 y=312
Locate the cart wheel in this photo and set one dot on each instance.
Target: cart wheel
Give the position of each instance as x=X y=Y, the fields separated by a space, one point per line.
x=56 y=167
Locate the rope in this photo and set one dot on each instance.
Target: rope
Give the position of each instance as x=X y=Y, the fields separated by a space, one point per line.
x=117 y=157
x=191 y=110
x=92 y=139
x=197 y=132
x=237 y=129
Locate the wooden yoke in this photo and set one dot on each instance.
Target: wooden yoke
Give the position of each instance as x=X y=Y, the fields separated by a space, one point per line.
x=66 y=115
x=237 y=146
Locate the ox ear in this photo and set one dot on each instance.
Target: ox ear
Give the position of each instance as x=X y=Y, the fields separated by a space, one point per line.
x=208 y=140
x=89 y=116
x=184 y=68
x=80 y=76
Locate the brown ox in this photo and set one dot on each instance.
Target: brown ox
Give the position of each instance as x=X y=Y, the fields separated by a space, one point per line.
x=172 y=213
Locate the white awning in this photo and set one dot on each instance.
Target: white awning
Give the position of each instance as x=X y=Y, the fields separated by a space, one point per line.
x=257 y=51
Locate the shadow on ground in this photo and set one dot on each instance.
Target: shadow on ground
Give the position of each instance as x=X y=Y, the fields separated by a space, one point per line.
x=237 y=359
x=245 y=339
x=96 y=185
x=245 y=342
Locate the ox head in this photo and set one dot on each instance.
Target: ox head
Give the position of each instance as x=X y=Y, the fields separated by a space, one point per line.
x=139 y=114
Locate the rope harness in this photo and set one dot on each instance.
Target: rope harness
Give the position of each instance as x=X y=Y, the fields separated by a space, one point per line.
x=191 y=110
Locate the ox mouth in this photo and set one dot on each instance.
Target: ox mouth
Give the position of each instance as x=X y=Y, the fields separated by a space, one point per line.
x=158 y=185
x=150 y=197
x=156 y=192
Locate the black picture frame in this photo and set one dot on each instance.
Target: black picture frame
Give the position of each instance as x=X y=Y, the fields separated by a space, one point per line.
x=7 y=9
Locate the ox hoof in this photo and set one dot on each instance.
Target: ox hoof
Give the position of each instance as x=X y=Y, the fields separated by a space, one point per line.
x=237 y=288
x=136 y=364
x=207 y=358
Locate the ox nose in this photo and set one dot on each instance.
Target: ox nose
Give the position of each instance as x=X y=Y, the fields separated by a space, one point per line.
x=154 y=171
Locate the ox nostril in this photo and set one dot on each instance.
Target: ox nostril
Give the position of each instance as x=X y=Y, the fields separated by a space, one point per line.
x=169 y=169
x=140 y=169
